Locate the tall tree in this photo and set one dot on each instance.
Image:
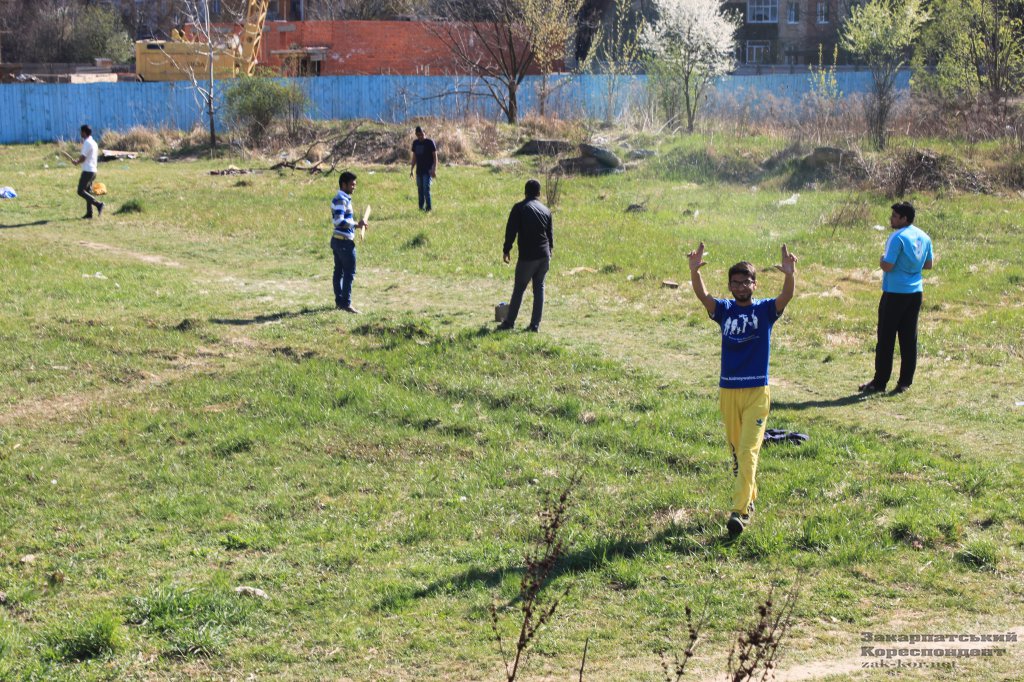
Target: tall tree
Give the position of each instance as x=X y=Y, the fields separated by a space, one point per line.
x=619 y=51
x=882 y=33
x=196 y=13
x=551 y=26
x=692 y=42
x=972 y=52
x=62 y=31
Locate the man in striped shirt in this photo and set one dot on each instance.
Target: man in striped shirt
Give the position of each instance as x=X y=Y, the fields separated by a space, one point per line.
x=343 y=242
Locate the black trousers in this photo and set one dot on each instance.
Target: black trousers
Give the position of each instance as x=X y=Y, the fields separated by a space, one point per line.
x=897 y=318
x=85 y=189
x=528 y=271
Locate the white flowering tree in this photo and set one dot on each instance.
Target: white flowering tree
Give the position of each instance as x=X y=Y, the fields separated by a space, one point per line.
x=692 y=43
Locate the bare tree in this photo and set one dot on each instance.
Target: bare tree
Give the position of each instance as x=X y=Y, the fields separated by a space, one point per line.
x=6 y=23
x=196 y=13
x=496 y=47
x=619 y=51
x=325 y=10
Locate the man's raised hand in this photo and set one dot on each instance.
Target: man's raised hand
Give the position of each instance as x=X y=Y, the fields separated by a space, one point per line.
x=697 y=258
x=788 y=265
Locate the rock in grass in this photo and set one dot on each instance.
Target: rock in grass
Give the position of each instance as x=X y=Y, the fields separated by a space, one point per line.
x=642 y=154
x=28 y=559
x=824 y=157
x=606 y=156
x=246 y=591
x=546 y=147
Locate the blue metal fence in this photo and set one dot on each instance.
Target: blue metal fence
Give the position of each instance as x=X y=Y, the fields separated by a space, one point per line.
x=34 y=112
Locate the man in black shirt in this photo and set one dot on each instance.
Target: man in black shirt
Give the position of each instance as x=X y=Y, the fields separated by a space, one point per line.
x=530 y=221
x=424 y=163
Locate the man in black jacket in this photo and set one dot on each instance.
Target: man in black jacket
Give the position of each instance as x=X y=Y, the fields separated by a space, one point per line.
x=530 y=221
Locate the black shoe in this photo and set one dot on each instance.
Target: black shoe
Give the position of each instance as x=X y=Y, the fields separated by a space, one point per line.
x=87 y=216
x=736 y=524
x=870 y=387
x=900 y=388
x=533 y=328
x=504 y=327
x=99 y=209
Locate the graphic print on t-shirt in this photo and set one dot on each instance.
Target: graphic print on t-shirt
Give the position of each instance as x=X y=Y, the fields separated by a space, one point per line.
x=746 y=339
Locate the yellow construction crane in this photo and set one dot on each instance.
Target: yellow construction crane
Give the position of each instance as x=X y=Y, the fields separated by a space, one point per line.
x=179 y=59
x=252 y=34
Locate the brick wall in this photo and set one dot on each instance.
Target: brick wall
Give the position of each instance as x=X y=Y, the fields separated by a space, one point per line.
x=362 y=47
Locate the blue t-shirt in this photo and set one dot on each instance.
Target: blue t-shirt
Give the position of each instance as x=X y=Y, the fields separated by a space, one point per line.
x=746 y=341
x=908 y=248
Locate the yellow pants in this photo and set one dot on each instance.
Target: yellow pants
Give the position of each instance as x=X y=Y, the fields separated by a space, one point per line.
x=745 y=413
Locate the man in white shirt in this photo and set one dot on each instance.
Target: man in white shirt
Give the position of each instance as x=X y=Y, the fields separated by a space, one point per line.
x=88 y=160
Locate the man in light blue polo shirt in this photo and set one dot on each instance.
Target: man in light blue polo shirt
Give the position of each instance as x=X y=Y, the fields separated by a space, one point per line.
x=908 y=252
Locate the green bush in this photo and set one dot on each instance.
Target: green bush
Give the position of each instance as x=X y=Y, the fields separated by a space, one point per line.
x=982 y=555
x=99 y=32
x=81 y=639
x=194 y=622
x=254 y=103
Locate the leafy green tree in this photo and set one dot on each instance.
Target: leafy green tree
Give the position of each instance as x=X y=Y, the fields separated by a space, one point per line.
x=972 y=52
x=99 y=32
x=882 y=33
x=62 y=31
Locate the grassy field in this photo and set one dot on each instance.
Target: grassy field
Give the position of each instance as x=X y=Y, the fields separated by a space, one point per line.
x=184 y=412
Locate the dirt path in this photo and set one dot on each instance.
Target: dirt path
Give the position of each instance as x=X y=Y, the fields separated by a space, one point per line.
x=135 y=255
x=852 y=667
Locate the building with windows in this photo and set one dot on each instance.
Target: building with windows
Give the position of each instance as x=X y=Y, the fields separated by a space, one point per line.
x=788 y=31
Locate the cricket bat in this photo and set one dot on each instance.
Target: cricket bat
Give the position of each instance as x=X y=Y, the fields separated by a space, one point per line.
x=70 y=158
x=366 y=219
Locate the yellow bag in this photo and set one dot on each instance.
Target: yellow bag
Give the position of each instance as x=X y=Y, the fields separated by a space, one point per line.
x=99 y=189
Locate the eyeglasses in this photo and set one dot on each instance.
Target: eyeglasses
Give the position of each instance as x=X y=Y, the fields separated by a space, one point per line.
x=733 y=284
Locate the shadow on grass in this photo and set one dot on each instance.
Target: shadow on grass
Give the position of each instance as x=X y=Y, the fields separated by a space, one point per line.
x=808 y=404
x=35 y=224
x=694 y=538
x=273 y=317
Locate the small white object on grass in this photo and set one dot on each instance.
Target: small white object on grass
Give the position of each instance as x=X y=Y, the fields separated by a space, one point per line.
x=1020 y=403
x=791 y=201
x=246 y=591
x=879 y=228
